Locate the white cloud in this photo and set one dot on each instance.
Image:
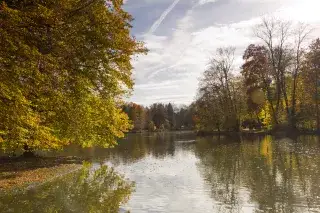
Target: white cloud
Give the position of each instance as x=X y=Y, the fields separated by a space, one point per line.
x=201 y=2
x=305 y=11
x=176 y=60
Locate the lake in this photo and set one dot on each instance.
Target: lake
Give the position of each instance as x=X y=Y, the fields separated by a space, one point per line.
x=179 y=172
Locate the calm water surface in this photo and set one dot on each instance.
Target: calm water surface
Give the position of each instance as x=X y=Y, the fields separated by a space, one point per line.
x=177 y=172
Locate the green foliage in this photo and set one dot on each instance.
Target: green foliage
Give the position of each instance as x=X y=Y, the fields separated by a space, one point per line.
x=265 y=116
x=87 y=190
x=64 y=67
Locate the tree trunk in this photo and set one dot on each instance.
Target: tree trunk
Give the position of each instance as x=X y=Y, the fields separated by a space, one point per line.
x=293 y=109
x=278 y=89
x=28 y=152
x=317 y=103
x=285 y=96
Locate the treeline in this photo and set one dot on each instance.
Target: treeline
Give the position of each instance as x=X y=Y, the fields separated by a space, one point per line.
x=277 y=88
x=159 y=117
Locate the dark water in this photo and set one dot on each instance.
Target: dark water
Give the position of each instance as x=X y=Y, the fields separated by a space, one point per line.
x=177 y=172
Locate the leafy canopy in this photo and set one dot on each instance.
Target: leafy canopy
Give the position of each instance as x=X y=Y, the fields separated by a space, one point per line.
x=65 y=65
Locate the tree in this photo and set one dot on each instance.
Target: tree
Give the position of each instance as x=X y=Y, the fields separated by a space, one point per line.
x=171 y=116
x=158 y=113
x=217 y=92
x=301 y=34
x=274 y=34
x=137 y=115
x=284 y=44
x=311 y=79
x=257 y=80
x=64 y=67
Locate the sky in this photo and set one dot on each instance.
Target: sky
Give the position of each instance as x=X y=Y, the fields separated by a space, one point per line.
x=182 y=35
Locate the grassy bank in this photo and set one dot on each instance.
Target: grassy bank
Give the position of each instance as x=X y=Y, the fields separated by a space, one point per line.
x=20 y=172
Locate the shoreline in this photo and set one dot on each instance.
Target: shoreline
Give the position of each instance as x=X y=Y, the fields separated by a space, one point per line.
x=160 y=131
x=233 y=133
x=19 y=172
x=266 y=132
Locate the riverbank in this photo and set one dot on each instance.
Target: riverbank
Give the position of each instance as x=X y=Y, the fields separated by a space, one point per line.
x=259 y=132
x=161 y=131
x=19 y=172
x=232 y=133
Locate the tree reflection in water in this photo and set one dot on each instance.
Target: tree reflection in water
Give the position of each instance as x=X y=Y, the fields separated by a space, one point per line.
x=87 y=190
x=130 y=149
x=252 y=174
x=276 y=176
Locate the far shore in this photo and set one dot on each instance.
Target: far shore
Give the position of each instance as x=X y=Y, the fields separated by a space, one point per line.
x=159 y=131
x=243 y=132
x=259 y=132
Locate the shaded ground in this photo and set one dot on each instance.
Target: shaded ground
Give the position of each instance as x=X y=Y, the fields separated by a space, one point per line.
x=18 y=172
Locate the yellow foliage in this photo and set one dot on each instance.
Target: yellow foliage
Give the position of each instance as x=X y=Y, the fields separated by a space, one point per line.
x=265 y=115
x=266 y=149
x=65 y=66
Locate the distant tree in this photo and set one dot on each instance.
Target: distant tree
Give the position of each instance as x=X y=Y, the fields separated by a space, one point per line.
x=138 y=115
x=171 y=116
x=148 y=117
x=167 y=124
x=151 y=126
x=162 y=127
x=158 y=112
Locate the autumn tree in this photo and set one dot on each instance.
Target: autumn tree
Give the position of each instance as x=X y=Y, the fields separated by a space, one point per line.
x=311 y=82
x=217 y=92
x=274 y=34
x=137 y=115
x=65 y=65
x=257 y=80
x=284 y=44
x=301 y=33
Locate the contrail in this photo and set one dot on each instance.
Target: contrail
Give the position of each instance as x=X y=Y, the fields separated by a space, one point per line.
x=156 y=24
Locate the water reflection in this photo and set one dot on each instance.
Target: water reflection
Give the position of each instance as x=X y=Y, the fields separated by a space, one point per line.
x=261 y=174
x=133 y=148
x=87 y=190
x=182 y=173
